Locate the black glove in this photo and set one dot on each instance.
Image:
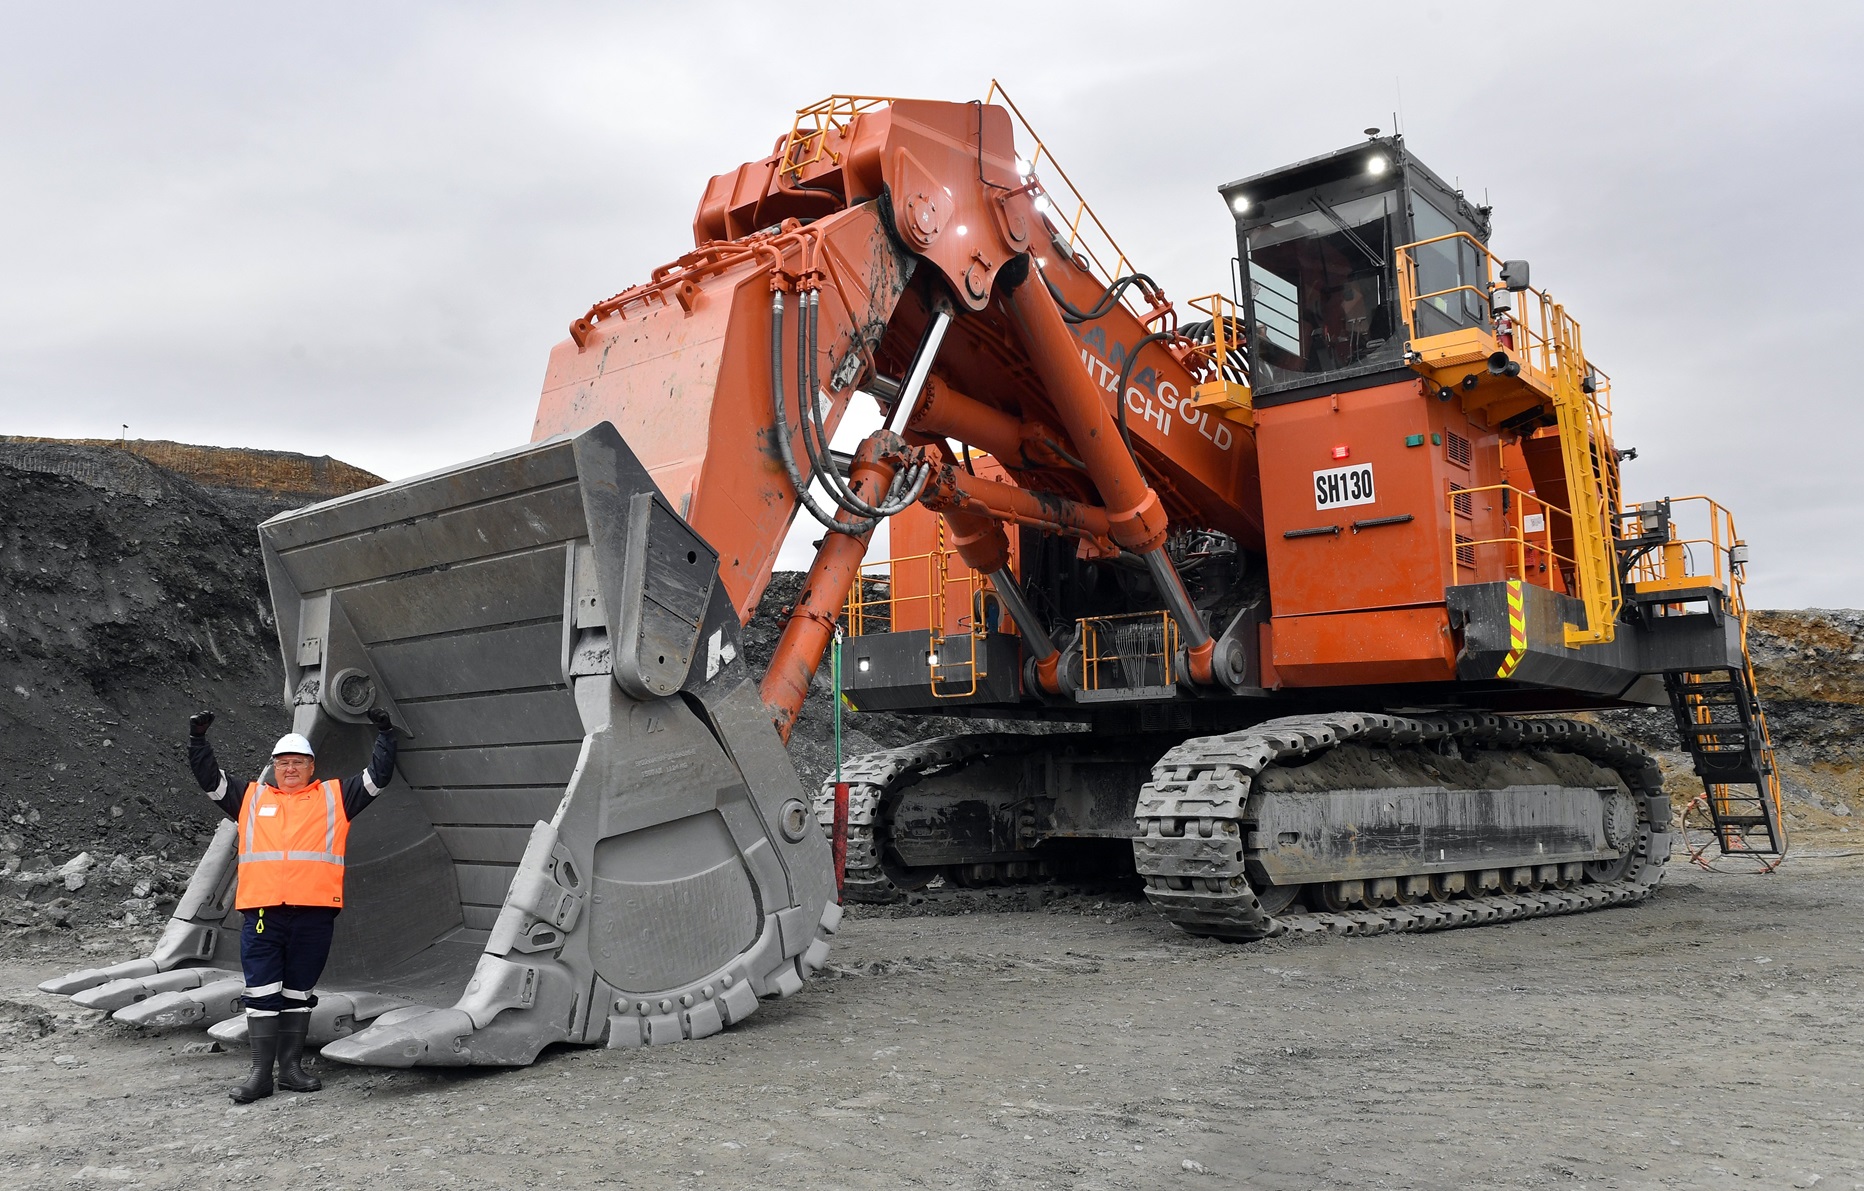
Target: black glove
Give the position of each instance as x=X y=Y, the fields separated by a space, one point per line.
x=379 y=718
x=199 y=722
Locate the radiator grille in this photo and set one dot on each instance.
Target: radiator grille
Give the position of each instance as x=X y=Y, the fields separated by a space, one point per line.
x=1456 y=448
x=1465 y=552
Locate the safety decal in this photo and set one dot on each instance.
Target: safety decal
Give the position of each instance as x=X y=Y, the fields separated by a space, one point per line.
x=1517 y=632
x=718 y=654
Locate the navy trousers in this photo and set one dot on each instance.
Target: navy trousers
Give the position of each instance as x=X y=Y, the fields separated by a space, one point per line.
x=282 y=950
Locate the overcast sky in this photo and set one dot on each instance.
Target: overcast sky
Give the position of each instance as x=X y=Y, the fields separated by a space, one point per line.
x=357 y=229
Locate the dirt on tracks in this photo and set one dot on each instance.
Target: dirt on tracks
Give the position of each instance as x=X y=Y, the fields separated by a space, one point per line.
x=1709 y=1038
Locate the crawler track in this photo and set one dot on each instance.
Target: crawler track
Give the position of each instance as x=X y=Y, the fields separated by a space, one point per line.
x=871 y=778
x=1191 y=853
x=1191 y=820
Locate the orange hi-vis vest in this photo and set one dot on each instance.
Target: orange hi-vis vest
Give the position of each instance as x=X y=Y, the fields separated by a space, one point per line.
x=291 y=846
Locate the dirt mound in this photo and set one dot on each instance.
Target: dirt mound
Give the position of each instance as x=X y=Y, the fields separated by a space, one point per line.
x=281 y=473
x=130 y=596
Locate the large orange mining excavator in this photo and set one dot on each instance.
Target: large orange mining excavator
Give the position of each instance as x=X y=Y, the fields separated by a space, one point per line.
x=1301 y=556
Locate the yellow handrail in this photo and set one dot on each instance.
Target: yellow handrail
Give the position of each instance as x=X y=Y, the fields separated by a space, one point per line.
x=1591 y=488
x=1215 y=361
x=871 y=591
x=1676 y=565
x=1518 y=537
x=1739 y=600
x=1543 y=340
x=1087 y=238
x=809 y=133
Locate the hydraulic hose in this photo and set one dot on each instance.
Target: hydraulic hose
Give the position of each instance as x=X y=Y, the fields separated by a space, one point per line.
x=1126 y=374
x=906 y=486
x=1235 y=364
x=780 y=423
x=1073 y=314
x=815 y=436
x=1104 y=306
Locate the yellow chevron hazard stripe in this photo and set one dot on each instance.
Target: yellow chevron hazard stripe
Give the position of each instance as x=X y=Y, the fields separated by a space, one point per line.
x=1517 y=632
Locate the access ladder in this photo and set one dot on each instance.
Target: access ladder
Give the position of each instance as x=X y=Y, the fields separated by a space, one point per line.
x=1722 y=724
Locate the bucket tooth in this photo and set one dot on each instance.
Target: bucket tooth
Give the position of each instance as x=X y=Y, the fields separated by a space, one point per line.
x=336 y=1015
x=196 y=933
x=182 y=1008
x=231 y=1031
x=128 y=990
x=424 y=1038
x=89 y=978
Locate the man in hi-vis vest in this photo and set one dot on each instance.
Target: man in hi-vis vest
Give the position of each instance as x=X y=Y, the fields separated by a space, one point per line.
x=292 y=833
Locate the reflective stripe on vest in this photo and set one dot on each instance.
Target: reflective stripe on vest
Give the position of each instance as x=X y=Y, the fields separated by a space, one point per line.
x=271 y=875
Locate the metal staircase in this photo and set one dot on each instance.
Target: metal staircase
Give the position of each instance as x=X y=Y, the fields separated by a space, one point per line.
x=1669 y=570
x=1721 y=723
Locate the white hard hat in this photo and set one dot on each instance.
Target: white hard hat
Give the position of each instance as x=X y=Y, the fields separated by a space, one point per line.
x=292 y=742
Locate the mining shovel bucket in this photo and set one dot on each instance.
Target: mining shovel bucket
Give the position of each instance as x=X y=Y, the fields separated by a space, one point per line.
x=594 y=834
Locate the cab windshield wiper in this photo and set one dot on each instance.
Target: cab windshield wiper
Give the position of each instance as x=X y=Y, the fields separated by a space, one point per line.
x=1321 y=205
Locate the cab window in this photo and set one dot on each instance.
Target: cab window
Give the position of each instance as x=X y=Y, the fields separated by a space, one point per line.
x=1449 y=269
x=1320 y=284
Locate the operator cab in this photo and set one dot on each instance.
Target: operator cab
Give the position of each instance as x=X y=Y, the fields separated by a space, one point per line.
x=1317 y=242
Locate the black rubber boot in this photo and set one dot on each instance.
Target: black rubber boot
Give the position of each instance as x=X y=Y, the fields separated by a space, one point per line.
x=262 y=1036
x=292 y=1027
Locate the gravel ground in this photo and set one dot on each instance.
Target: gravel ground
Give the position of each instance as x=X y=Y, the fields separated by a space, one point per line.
x=1706 y=1039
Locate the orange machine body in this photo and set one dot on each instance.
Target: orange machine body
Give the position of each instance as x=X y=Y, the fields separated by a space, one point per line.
x=880 y=219
x=1358 y=570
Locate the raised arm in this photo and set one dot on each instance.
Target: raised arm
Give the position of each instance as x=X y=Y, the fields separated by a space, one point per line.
x=360 y=791
x=226 y=793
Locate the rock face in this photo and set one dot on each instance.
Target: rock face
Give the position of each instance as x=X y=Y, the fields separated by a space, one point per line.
x=1810 y=666
x=129 y=598
x=108 y=464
